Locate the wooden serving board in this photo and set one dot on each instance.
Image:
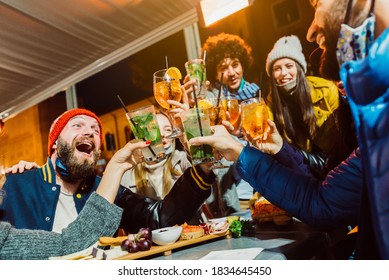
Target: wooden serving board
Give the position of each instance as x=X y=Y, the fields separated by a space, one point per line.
x=167 y=249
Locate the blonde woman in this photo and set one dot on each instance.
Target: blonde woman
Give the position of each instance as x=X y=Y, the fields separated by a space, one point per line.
x=155 y=180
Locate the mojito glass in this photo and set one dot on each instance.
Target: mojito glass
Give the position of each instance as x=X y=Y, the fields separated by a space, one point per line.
x=196 y=123
x=196 y=70
x=144 y=125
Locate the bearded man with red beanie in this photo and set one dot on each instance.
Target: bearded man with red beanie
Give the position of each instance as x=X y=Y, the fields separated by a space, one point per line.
x=50 y=197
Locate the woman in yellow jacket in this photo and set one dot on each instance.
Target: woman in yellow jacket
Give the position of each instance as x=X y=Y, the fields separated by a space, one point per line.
x=303 y=107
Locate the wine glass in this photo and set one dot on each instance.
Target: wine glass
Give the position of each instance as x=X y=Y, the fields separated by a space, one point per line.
x=167 y=86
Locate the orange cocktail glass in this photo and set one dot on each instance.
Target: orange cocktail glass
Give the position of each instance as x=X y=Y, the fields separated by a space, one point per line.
x=232 y=107
x=167 y=86
x=254 y=117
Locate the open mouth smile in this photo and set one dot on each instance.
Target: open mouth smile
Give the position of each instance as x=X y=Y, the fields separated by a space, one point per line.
x=85 y=147
x=285 y=81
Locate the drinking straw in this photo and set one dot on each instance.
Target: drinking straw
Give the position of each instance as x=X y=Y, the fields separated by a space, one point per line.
x=218 y=100
x=167 y=64
x=204 y=56
x=260 y=85
x=197 y=110
x=220 y=91
x=201 y=83
x=128 y=114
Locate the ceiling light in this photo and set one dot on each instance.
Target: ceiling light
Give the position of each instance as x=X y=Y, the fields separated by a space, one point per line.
x=210 y=11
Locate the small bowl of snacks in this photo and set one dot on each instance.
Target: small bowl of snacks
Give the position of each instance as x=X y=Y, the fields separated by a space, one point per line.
x=167 y=235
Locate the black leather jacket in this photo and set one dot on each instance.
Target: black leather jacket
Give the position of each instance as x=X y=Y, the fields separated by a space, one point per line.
x=320 y=163
x=179 y=206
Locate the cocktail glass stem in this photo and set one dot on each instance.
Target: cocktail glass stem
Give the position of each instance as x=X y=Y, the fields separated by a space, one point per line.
x=176 y=132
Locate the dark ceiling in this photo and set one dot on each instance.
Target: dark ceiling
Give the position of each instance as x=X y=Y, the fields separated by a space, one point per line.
x=131 y=78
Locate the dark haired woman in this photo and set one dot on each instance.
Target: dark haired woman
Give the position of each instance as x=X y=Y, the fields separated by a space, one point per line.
x=306 y=109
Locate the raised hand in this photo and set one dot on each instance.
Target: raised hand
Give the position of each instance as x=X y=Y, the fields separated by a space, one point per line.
x=187 y=88
x=128 y=156
x=121 y=161
x=271 y=142
x=221 y=141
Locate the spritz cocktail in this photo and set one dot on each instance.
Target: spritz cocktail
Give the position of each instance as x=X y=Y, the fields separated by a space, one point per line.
x=167 y=86
x=232 y=107
x=254 y=117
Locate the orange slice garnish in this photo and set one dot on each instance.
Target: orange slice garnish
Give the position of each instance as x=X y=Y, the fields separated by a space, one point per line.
x=174 y=73
x=204 y=104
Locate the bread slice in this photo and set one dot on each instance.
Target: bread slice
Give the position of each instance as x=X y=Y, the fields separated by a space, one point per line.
x=191 y=232
x=263 y=211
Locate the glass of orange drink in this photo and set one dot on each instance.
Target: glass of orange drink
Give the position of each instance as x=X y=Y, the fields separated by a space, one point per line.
x=254 y=117
x=167 y=86
x=214 y=111
x=212 y=107
x=231 y=106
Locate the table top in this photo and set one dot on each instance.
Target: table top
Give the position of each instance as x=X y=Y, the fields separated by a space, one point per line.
x=294 y=241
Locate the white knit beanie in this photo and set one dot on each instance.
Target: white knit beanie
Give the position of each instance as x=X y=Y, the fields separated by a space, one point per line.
x=289 y=47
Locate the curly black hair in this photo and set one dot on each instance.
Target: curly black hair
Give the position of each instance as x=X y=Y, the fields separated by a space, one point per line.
x=223 y=46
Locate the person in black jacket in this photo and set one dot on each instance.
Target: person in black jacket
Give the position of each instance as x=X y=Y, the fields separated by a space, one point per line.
x=50 y=197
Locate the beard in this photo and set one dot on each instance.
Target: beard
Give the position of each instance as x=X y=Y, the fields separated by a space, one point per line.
x=78 y=169
x=329 y=67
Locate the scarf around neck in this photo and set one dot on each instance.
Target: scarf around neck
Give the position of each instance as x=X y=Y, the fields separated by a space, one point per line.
x=245 y=91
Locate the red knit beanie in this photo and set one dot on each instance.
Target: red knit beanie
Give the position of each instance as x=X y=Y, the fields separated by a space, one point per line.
x=60 y=122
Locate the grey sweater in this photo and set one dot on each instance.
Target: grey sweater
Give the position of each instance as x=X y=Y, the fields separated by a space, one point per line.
x=98 y=218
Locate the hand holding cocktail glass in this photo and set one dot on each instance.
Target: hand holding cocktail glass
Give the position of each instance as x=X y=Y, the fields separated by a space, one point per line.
x=221 y=141
x=196 y=122
x=196 y=80
x=233 y=114
x=196 y=70
x=254 y=118
x=167 y=86
x=214 y=110
x=144 y=125
x=271 y=142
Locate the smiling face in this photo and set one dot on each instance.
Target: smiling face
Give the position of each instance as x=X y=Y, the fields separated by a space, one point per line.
x=78 y=146
x=232 y=72
x=284 y=71
x=84 y=133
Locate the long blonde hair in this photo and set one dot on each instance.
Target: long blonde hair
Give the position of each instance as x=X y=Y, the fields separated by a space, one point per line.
x=169 y=172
